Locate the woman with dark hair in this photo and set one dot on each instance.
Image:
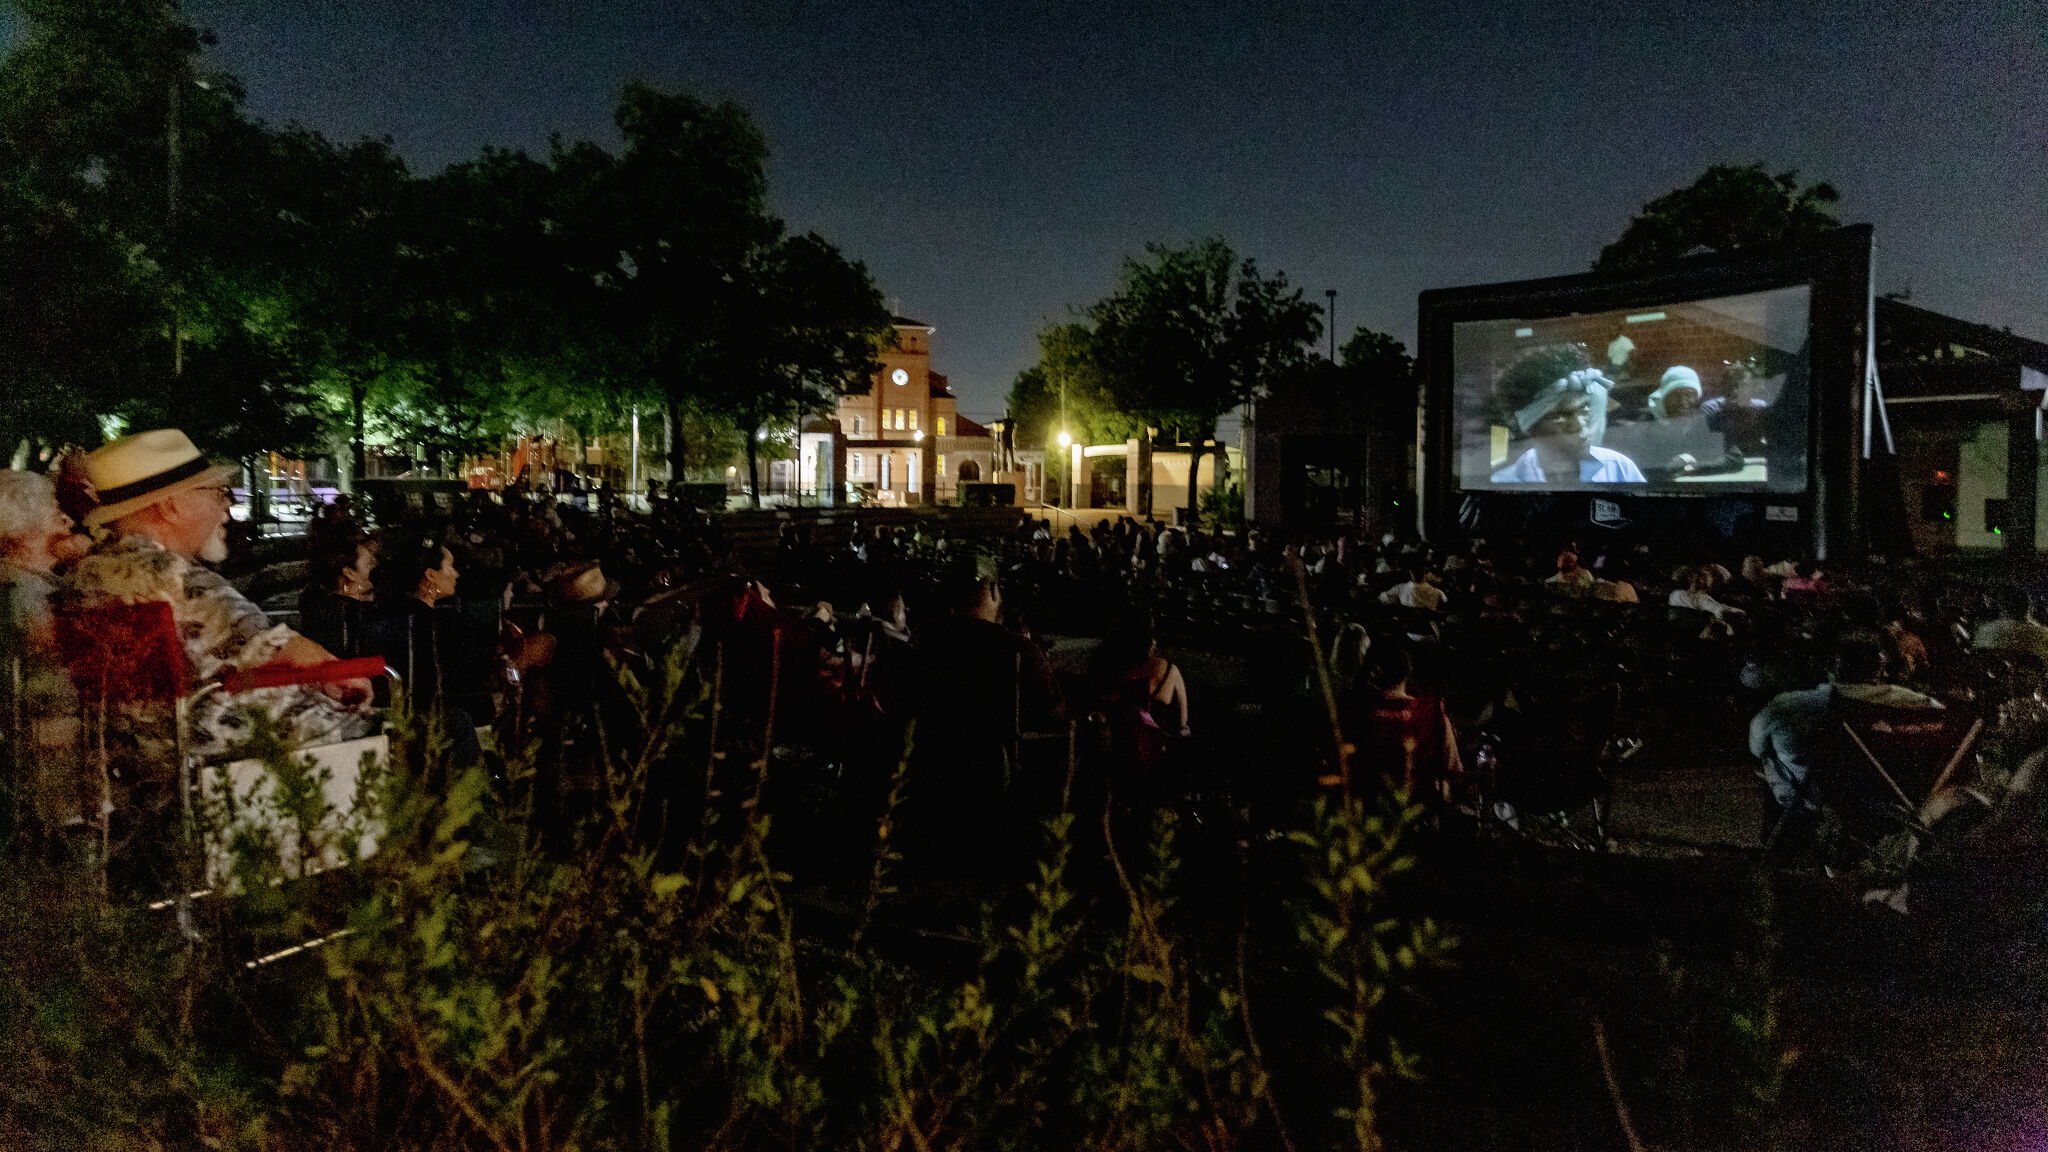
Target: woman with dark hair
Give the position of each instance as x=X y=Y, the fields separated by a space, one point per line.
x=337 y=602
x=1403 y=737
x=424 y=636
x=1143 y=694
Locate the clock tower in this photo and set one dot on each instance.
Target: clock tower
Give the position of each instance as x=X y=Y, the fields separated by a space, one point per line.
x=904 y=441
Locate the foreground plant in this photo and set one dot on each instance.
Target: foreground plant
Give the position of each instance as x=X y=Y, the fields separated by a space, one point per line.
x=496 y=975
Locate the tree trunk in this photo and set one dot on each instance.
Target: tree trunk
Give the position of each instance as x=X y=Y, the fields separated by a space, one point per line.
x=358 y=458
x=675 y=445
x=1194 y=488
x=753 y=469
x=257 y=469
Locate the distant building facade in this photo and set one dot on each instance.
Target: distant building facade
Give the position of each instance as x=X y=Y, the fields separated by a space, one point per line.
x=901 y=442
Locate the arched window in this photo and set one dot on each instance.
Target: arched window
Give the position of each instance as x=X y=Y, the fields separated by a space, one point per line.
x=970 y=472
x=856 y=425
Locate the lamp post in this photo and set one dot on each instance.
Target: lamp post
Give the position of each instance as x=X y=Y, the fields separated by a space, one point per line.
x=1066 y=470
x=1332 y=314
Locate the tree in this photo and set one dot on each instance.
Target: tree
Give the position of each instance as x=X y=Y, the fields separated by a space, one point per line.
x=347 y=269
x=1729 y=206
x=1064 y=391
x=670 y=229
x=138 y=235
x=1377 y=367
x=84 y=211
x=1191 y=333
x=804 y=330
x=1380 y=362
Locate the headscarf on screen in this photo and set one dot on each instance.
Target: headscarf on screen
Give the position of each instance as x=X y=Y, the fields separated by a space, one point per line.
x=1676 y=377
x=1587 y=382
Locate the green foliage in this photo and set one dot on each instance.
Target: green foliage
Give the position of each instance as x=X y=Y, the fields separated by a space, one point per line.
x=1730 y=206
x=1378 y=358
x=486 y=980
x=1362 y=951
x=1065 y=379
x=1188 y=335
x=172 y=261
x=1224 y=506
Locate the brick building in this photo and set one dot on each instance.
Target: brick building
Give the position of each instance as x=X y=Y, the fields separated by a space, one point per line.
x=902 y=441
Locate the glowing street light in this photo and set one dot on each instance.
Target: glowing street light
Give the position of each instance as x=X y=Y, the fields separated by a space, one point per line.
x=917 y=435
x=1065 y=439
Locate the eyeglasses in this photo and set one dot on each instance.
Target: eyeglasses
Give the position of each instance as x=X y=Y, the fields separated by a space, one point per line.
x=222 y=492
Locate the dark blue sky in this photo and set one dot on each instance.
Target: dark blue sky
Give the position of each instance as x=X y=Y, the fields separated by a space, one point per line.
x=992 y=163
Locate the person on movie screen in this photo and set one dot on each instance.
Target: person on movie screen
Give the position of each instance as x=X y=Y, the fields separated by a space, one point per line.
x=1741 y=413
x=1566 y=419
x=1679 y=434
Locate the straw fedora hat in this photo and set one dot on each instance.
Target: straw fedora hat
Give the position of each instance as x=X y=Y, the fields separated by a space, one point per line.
x=136 y=471
x=585 y=585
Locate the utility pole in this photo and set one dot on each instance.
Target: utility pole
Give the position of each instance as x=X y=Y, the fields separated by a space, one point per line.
x=171 y=224
x=1332 y=315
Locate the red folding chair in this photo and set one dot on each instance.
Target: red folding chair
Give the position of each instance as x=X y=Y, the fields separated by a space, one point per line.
x=1882 y=766
x=126 y=654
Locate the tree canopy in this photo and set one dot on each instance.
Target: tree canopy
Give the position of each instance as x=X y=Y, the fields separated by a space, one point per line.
x=1188 y=335
x=1730 y=206
x=168 y=259
x=1063 y=390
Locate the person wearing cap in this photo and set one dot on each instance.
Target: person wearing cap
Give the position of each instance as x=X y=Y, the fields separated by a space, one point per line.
x=1566 y=420
x=163 y=512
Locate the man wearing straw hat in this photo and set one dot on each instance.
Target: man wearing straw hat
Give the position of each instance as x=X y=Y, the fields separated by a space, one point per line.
x=163 y=509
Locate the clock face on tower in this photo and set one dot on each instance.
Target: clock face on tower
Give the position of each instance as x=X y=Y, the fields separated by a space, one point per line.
x=900 y=376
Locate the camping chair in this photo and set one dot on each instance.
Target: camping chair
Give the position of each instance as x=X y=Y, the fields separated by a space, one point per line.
x=121 y=655
x=1879 y=767
x=1545 y=749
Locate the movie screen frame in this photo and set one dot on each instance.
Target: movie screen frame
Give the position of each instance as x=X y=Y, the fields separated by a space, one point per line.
x=1704 y=395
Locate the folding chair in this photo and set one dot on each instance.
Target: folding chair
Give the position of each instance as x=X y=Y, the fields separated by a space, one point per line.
x=131 y=654
x=1879 y=766
x=241 y=796
x=1548 y=752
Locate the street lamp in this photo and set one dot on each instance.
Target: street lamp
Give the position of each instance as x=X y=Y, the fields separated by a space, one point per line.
x=1065 y=439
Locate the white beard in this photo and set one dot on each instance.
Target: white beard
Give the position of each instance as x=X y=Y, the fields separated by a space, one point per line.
x=216 y=549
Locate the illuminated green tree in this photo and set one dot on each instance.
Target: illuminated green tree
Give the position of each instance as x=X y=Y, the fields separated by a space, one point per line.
x=1192 y=333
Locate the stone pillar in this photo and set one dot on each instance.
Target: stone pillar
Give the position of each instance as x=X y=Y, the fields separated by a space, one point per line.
x=832 y=470
x=1138 y=476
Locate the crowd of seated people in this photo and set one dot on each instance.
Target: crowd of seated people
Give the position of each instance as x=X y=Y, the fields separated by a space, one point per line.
x=1688 y=642
x=512 y=616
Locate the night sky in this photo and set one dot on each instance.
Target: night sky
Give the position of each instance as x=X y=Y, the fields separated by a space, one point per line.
x=993 y=162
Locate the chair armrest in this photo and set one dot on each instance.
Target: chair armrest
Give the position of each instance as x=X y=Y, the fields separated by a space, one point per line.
x=285 y=675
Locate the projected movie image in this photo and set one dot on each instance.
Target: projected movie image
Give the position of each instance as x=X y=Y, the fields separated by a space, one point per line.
x=1693 y=398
